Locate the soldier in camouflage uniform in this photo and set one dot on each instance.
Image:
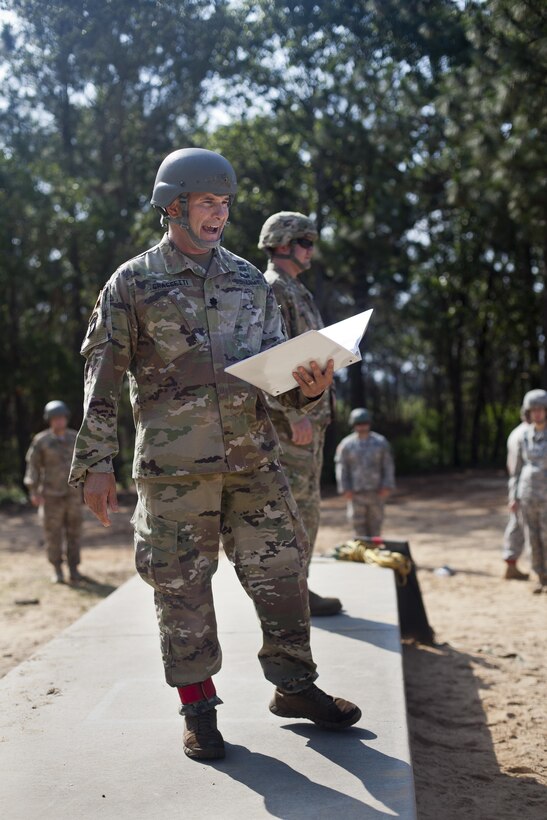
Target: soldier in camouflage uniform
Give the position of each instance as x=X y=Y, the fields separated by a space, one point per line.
x=528 y=482
x=206 y=455
x=364 y=474
x=288 y=238
x=60 y=506
x=513 y=537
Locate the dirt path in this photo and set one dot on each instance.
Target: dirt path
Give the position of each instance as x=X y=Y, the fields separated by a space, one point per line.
x=476 y=701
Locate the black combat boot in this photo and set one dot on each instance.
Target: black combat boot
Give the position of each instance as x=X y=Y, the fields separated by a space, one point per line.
x=323 y=606
x=314 y=704
x=202 y=740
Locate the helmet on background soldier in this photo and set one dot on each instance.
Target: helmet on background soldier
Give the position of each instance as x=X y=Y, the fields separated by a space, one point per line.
x=192 y=170
x=534 y=398
x=55 y=408
x=360 y=415
x=285 y=227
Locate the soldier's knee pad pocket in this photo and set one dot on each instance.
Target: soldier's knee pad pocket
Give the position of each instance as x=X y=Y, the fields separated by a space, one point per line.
x=157 y=554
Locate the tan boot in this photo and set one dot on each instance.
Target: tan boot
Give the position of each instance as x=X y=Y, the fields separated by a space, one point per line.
x=513 y=573
x=57 y=577
x=314 y=704
x=541 y=585
x=323 y=606
x=202 y=740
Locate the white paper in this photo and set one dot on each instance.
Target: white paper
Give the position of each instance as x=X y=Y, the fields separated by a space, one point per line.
x=272 y=369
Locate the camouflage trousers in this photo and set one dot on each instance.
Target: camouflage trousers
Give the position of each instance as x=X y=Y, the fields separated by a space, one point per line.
x=178 y=524
x=366 y=513
x=61 y=517
x=534 y=517
x=513 y=538
x=302 y=466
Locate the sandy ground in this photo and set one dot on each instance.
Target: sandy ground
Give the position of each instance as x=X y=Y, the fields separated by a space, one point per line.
x=476 y=700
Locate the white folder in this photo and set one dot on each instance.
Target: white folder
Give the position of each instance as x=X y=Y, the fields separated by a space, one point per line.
x=272 y=369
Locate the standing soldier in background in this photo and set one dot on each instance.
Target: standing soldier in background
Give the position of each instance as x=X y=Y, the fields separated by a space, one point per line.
x=528 y=482
x=365 y=474
x=206 y=455
x=513 y=537
x=288 y=238
x=60 y=506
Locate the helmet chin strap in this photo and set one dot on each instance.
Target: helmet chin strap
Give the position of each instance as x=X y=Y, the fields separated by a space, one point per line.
x=183 y=222
x=292 y=256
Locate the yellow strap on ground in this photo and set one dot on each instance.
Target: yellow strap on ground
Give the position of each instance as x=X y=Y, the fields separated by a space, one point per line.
x=358 y=550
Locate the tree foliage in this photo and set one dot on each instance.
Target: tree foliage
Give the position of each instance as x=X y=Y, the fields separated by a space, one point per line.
x=413 y=131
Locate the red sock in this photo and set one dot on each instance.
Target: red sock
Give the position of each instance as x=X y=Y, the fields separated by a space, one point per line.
x=197 y=691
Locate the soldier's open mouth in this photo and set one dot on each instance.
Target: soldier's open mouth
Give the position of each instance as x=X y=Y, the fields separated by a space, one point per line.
x=211 y=229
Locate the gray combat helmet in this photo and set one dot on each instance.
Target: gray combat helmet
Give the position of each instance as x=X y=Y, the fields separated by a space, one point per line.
x=284 y=227
x=55 y=408
x=534 y=398
x=192 y=170
x=359 y=416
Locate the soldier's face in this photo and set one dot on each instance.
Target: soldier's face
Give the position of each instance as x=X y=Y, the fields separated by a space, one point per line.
x=538 y=415
x=304 y=254
x=58 y=424
x=362 y=429
x=208 y=214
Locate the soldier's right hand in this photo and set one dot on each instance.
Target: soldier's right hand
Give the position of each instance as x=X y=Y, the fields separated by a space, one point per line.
x=36 y=500
x=100 y=495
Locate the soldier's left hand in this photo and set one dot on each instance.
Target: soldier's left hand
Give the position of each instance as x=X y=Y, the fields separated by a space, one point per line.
x=384 y=492
x=314 y=381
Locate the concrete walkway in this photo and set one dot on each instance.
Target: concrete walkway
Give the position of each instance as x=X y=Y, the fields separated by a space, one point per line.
x=90 y=730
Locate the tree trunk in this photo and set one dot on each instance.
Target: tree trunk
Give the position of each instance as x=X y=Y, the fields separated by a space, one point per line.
x=482 y=366
x=544 y=316
x=455 y=378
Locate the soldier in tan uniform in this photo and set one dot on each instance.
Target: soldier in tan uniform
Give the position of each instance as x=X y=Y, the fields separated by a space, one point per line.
x=528 y=482
x=60 y=506
x=288 y=238
x=365 y=474
x=206 y=455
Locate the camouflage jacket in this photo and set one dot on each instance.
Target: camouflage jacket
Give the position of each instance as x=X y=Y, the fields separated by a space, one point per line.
x=364 y=465
x=528 y=476
x=48 y=463
x=300 y=314
x=174 y=328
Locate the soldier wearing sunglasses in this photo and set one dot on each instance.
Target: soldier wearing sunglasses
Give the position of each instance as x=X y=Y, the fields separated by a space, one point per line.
x=288 y=238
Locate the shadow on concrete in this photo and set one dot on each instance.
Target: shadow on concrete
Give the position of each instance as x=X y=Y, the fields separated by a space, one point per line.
x=91 y=588
x=449 y=733
x=365 y=763
x=376 y=633
x=290 y=795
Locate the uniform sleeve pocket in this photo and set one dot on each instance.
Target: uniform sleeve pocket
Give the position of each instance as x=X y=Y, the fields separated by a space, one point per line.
x=99 y=329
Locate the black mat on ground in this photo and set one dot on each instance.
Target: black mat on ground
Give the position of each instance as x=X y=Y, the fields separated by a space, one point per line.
x=413 y=620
